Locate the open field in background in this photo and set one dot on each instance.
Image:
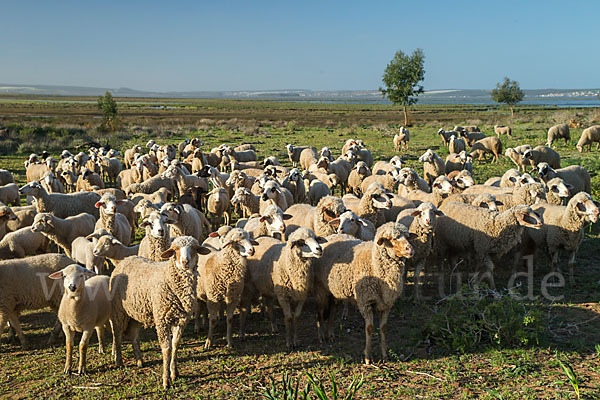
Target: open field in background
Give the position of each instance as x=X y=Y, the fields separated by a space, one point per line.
x=418 y=367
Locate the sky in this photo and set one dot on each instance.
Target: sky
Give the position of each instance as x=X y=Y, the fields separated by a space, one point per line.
x=317 y=45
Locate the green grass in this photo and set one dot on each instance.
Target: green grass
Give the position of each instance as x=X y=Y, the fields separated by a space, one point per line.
x=418 y=367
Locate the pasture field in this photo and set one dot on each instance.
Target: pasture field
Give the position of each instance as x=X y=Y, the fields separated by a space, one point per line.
x=567 y=329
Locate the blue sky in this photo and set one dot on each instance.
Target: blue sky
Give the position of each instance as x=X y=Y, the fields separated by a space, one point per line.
x=318 y=45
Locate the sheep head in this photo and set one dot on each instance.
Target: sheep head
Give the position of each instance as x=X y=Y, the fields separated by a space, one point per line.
x=305 y=241
x=186 y=250
x=73 y=277
x=585 y=206
x=43 y=222
x=348 y=223
x=273 y=218
x=527 y=217
x=393 y=237
x=156 y=224
x=239 y=240
x=426 y=214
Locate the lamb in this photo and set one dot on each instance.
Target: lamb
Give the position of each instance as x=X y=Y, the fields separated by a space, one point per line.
x=370 y=274
x=441 y=188
x=269 y=223
x=517 y=158
x=63 y=231
x=341 y=168
x=218 y=206
x=560 y=131
x=458 y=162
x=295 y=184
x=9 y=194
x=131 y=176
x=111 y=220
x=456 y=145
x=557 y=191
x=283 y=270
x=6 y=177
x=480 y=234
x=51 y=183
x=308 y=157
x=188 y=220
x=588 y=137
x=472 y=137
x=35 y=172
x=502 y=130
x=362 y=154
x=163 y=294
x=221 y=278
x=574 y=175
x=85 y=307
x=82 y=252
x=108 y=247
x=22 y=242
x=351 y=224
x=59 y=204
x=294 y=153
x=371 y=205
x=316 y=218
x=491 y=145
x=433 y=166
x=24 y=285
x=273 y=193
x=542 y=154
x=563 y=228
x=401 y=139
x=357 y=176
x=421 y=223
x=157 y=239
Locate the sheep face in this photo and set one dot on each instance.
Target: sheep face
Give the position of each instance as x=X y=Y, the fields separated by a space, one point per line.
x=43 y=222
x=109 y=202
x=443 y=185
x=270 y=190
x=295 y=175
x=426 y=214
x=171 y=211
x=427 y=156
x=73 y=277
x=273 y=219
x=33 y=188
x=156 y=222
x=559 y=187
x=527 y=217
x=185 y=250
x=304 y=241
x=544 y=170
x=104 y=245
x=348 y=223
x=239 y=240
x=362 y=168
x=585 y=206
x=487 y=201
x=7 y=214
x=524 y=180
x=393 y=238
x=464 y=179
x=381 y=200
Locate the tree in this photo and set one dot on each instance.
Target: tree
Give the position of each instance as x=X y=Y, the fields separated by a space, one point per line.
x=508 y=93
x=401 y=79
x=108 y=106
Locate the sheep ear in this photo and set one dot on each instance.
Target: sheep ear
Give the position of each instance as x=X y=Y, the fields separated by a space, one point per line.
x=99 y=204
x=512 y=179
x=483 y=204
x=554 y=189
x=56 y=275
x=214 y=235
x=499 y=203
x=254 y=242
x=287 y=216
x=334 y=222
x=320 y=240
x=415 y=213
x=145 y=223
x=167 y=254
x=202 y=250
x=382 y=240
x=88 y=273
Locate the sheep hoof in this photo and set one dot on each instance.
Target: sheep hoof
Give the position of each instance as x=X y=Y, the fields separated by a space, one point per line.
x=140 y=363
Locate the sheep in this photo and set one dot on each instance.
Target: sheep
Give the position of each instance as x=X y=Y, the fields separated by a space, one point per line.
x=110 y=168
x=410 y=180
x=382 y=167
x=588 y=137
x=574 y=175
x=157 y=239
x=285 y=271
x=308 y=157
x=517 y=158
x=458 y=162
x=541 y=154
x=472 y=137
x=144 y=207
x=6 y=177
x=563 y=228
x=63 y=231
x=294 y=153
x=341 y=168
x=447 y=135
x=484 y=200
x=6 y=215
x=158 y=198
x=110 y=219
x=370 y=274
x=24 y=217
x=421 y=223
x=22 y=242
x=351 y=224
x=440 y=189
x=456 y=145
x=502 y=130
x=35 y=172
x=491 y=145
x=480 y=233
x=59 y=204
x=188 y=220
x=88 y=179
x=273 y=193
x=221 y=278
x=84 y=307
x=151 y=185
x=362 y=154
x=9 y=194
x=241 y=156
x=24 y=285
x=461 y=179
x=371 y=205
x=316 y=218
x=401 y=139
x=269 y=223
x=466 y=128
x=107 y=246
x=129 y=156
x=51 y=183
x=560 y=131
x=399 y=203
x=218 y=206
x=508 y=179
x=239 y=179
x=557 y=191
x=162 y=294
x=130 y=176
x=248 y=202
x=357 y=176
x=389 y=180
x=317 y=190
x=82 y=252
x=433 y=166
x=295 y=184
x=352 y=142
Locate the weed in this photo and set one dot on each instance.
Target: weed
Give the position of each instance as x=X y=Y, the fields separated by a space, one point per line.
x=572 y=378
x=321 y=392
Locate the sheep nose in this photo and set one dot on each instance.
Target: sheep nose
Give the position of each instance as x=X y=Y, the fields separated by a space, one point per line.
x=161 y=232
x=251 y=251
x=264 y=197
x=428 y=221
x=72 y=287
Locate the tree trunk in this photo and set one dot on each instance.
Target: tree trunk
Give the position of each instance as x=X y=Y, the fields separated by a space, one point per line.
x=405 y=115
x=512 y=111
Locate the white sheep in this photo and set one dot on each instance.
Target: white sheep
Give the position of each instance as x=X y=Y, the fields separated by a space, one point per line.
x=271 y=222
x=111 y=220
x=560 y=131
x=22 y=242
x=351 y=224
x=541 y=154
x=63 y=231
x=433 y=166
x=294 y=153
x=575 y=175
x=9 y=194
x=588 y=137
x=456 y=145
x=188 y=220
x=157 y=239
x=59 y=204
x=401 y=139
x=218 y=206
x=109 y=247
x=502 y=130
x=82 y=252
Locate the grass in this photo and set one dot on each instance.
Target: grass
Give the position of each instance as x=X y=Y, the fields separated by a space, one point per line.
x=418 y=367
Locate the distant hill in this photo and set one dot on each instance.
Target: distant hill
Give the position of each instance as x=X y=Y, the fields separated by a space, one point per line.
x=291 y=94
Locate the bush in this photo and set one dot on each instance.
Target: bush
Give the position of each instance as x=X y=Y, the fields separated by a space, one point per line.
x=475 y=319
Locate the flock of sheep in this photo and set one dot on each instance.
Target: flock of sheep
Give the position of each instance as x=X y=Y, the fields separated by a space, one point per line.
x=296 y=240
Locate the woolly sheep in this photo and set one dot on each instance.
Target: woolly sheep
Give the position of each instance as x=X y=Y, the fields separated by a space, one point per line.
x=409 y=180
x=351 y=224
x=9 y=194
x=188 y=221
x=357 y=176
x=24 y=217
x=389 y=180
x=502 y=130
x=560 y=131
x=542 y=154
x=362 y=154
x=111 y=220
x=87 y=180
x=22 y=242
x=162 y=294
x=248 y=202
x=370 y=274
x=447 y=135
x=218 y=207
x=295 y=184
x=382 y=167
x=82 y=252
x=484 y=200
x=6 y=177
x=574 y=175
x=273 y=193
x=84 y=307
x=461 y=179
x=316 y=191
x=157 y=239
x=517 y=158
x=294 y=153
x=241 y=156
x=441 y=188
x=458 y=162
x=508 y=179
x=401 y=139
x=51 y=183
x=491 y=145
x=456 y=145
x=433 y=166
x=59 y=204
x=308 y=157
x=352 y=142
x=472 y=137
x=557 y=191
x=371 y=205
x=269 y=223
x=63 y=231
x=110 y=167
x=109 y=247
x=151 y=185
x=316 y=218
x=588 y=137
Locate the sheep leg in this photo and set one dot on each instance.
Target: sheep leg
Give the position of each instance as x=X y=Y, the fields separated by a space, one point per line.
x=164 y=337
x=270 y=306
x=418 y=282
x=201 y=314
x=13 y=319
x=383 y=318
x=331 y=320
x=83 y=346
x=69 y=341
x=489 y=272
x=3 y=323
x=116 y=344
x=176 y=331
x=213 y=311
x=572 y=267
x=100 y=335
x=230 y=310
x=245 y=307
x=297 y=313
x=288 y=319
x=367 y=313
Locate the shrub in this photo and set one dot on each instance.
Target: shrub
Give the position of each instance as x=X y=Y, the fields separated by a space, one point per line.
x=475 y=319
